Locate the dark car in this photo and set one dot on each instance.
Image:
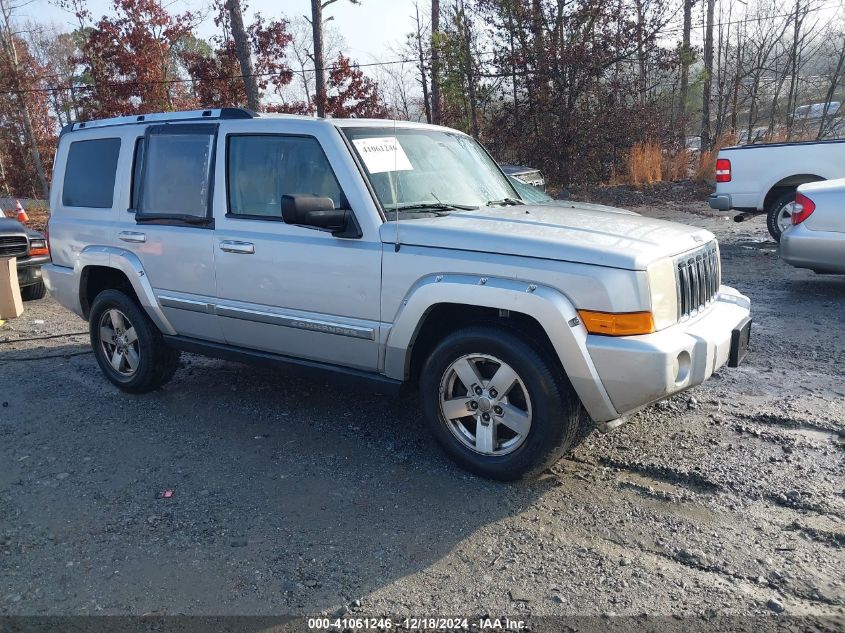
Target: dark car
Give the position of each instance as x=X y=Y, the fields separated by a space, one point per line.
x=528 y=175
x=30 y=248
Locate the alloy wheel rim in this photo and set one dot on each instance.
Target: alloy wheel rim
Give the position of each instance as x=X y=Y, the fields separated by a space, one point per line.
x=486 y=404
x=119 y=342
x=784 y=218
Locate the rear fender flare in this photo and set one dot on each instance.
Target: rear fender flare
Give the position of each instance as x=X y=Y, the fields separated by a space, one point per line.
x=129 y=264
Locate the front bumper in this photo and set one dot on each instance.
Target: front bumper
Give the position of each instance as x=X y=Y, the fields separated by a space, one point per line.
x=821 y=251
x=639 y=370
x=29 y=270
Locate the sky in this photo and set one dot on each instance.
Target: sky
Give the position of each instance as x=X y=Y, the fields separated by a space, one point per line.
x=370 y=29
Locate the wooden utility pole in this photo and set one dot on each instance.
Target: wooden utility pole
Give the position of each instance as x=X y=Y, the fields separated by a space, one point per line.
x=242 y=51
x=708 y=78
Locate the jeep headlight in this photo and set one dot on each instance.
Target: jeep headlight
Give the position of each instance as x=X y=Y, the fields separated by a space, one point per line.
x=664 y=293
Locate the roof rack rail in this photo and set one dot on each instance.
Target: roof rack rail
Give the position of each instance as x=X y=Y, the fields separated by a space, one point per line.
x=165 y=117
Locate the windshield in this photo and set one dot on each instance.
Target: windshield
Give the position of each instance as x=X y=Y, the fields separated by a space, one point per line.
x=529 y=193
x=429 y=170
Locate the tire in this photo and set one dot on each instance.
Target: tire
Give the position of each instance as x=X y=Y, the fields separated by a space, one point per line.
x=34 y=292
x=777 y=212
x=139 y=360
x=540 y=392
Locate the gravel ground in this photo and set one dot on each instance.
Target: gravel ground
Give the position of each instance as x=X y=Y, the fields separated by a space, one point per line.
x=294 y=496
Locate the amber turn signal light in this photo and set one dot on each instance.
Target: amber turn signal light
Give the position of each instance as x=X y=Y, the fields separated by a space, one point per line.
x=617 y=323
x=33 y=252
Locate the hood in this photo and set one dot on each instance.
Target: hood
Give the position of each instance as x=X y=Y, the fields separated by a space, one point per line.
x=8 y=225
x=577 y=234
x=588 y=206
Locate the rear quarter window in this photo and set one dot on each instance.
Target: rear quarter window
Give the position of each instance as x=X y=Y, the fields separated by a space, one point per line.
x=90 y=173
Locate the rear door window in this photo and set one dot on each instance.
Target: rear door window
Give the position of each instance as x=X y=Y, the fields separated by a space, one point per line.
x=90 y=173
x=176 y=177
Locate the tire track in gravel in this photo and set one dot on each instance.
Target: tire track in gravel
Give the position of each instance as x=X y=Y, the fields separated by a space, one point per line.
x=695 y=560
x=687 y=479
x=792 y=424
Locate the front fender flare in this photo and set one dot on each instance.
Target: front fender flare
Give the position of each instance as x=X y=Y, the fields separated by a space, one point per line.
x=551 y=308
x=129 y=264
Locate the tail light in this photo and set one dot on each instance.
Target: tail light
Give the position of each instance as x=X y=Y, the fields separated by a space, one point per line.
x=723 y=170
x=802 y=209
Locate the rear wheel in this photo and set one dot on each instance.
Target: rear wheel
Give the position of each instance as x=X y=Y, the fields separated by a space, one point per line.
x=128 y=346
x=779 y=214
x=497 y=405
x=34 y=292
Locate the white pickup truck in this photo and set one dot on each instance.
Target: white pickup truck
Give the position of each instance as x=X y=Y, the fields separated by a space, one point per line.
x=757 y=179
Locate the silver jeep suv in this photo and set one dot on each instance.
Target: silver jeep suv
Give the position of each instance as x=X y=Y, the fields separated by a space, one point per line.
x=390 y=254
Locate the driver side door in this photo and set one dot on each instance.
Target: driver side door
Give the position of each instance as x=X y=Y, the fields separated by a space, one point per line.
x=287 y=289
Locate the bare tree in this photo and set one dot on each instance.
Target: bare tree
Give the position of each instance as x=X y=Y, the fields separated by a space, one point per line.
x=686 y=60
x=56 y=50
x=302 y=47
x=422 y=64
x=317 y=21
x=803 y=38
x=708 y=77
x=399 y=84
x=242 y=47
x=467 y=64
x=761 y=49
x=435 y=63
x=835 y=79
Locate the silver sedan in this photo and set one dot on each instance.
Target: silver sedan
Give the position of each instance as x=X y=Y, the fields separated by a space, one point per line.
x=816 y=239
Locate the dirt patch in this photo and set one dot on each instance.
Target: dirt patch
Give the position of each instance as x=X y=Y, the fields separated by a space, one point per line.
x=661 y=193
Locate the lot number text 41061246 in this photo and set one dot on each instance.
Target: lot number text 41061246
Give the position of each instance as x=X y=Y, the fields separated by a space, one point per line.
x=414 y=624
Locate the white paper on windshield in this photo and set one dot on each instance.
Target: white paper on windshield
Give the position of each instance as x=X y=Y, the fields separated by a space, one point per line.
x=383 y=154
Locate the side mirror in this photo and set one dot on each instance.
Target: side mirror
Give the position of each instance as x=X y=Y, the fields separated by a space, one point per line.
x=319 y=212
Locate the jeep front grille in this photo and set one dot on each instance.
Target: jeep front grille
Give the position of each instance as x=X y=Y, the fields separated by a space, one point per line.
x=13 y=246
x=698 y=275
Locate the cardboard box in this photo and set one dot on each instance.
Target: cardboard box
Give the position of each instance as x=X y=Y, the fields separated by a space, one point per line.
x=11 y=304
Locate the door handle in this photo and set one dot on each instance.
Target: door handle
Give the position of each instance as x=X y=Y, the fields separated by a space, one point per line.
x=132 y=236
x=242 y=248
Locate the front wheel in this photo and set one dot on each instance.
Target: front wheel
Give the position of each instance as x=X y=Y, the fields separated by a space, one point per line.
x=497 y=405
x=779 y=215
x=128 y=346
x=34 y=292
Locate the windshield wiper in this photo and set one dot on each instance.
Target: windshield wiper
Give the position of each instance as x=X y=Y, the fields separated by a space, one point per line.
x=505 y=202
x=432 y=206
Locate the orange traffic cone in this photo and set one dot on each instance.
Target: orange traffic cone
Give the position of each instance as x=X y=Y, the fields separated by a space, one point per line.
x=22 y=216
